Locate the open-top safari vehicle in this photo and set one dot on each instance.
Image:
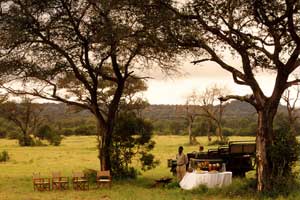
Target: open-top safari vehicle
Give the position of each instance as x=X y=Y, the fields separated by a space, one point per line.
x=238 y=156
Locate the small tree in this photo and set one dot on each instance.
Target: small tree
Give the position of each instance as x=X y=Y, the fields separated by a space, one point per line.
x=208 y=101
x=205 y=105
x=192 y=111
x=291 y=103
x=283 y=155
x=26 y=116
x=131 y=139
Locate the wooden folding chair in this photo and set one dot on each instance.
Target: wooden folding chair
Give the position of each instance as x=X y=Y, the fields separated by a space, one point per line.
x=39 y=183
x=59 y=182
x=103 y=178
x=79 y=181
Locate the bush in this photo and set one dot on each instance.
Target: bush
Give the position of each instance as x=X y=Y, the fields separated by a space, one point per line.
x=131 y=139
x=3 y=133
x=148 y=162
x=26 y=141
x=248 y=131
x=55 y=139
x=91 y=175
x=219 y=142
x=46 y=132
x=228 y=131
x=4 y=156
x=30 y=141
x=67 y=132
x=14 y=135
x=282 y=156
x=85 y=130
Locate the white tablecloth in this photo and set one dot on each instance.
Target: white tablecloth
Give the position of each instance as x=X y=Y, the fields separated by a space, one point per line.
x=193 y=180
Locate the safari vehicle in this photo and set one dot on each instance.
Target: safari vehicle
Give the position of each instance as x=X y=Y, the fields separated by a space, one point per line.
x=238 y=156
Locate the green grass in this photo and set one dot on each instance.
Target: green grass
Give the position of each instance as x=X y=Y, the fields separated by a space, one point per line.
x=78 y=153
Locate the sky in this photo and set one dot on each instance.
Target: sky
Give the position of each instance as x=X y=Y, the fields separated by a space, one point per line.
x=175 y=89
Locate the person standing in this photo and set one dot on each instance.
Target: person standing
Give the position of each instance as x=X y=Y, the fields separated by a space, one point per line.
x=182 y=161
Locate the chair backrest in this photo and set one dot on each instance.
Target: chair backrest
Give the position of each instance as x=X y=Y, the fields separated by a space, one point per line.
x=103 y=173
x=56 y=174
x=78 y=174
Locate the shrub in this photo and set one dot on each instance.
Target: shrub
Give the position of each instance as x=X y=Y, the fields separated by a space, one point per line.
x=85 y=130
x=67 y=132
x=13 y=135
x=131 y=139
x=282 y=156
x=30 y=141
x=228 y=131
x=91 y=175
x=4 y=156
x=248 y=131
x=219 y=142
x=147 y=160
x=38 y=142
x=55 y=139
x=26 y=141
x=46 y=132
x=3 y=133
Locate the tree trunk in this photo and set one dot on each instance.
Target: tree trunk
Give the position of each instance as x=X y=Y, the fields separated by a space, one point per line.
x=208 y=132
x=264 y=139
x=105 y=127
x=190 y=134
x=104 y=135
x=219 y=131
x=26 y=139
x=219 y=121
x=105 y=152
x=190 y=126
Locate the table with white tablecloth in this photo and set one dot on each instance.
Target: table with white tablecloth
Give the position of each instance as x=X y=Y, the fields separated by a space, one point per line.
x=217 y=179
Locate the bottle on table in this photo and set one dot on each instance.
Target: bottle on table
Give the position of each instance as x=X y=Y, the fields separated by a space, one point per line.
x=223 y=169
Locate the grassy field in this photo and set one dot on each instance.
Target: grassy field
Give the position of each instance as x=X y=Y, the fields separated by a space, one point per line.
x=78 y=153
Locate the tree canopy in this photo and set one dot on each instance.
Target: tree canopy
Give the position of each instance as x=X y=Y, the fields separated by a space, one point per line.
x=260 y=34
x=82 y=53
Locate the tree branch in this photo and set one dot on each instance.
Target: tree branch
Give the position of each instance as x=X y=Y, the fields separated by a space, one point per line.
x=201 y=60
x=247 y=98
x=291 y=83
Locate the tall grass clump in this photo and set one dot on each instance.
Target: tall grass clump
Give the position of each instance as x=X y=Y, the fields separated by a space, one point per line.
x=4 y=156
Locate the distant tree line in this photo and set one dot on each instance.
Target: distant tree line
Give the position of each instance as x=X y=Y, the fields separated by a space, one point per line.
x=71 y=124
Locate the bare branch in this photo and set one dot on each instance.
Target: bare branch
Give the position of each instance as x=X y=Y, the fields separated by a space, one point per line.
x=201 y=60
x=292 y=83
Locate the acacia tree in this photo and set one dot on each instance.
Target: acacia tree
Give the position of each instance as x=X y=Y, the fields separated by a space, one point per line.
x=192 y=111
x=81 y=53
x=292 y=111
x=25 y=115
x=210 y=110
x=262 y=35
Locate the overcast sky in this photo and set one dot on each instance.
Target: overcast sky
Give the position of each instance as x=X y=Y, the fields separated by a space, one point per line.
x=174 y=90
